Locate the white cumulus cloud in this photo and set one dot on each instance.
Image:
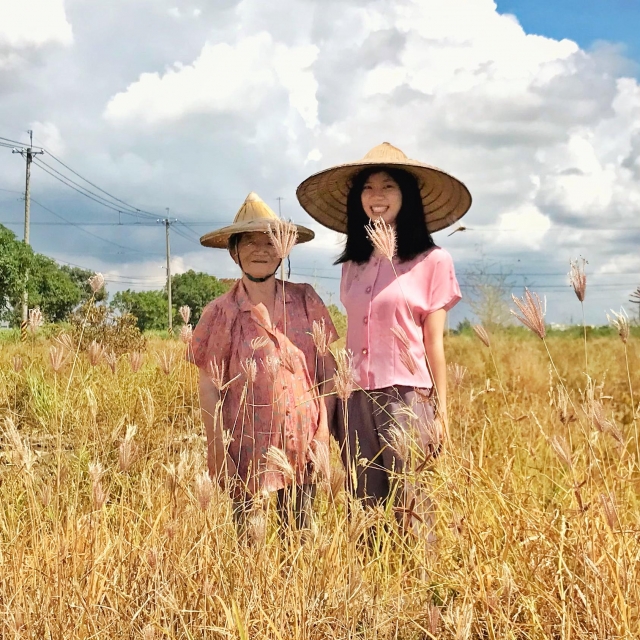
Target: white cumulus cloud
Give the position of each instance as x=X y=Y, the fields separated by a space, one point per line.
x=29 y=23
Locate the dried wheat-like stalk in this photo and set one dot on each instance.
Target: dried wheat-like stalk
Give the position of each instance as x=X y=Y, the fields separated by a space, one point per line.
x=96 y=282
x=608 y=503
x=149 y=632
x=216 y=373
x=66 y=342
x=383 y=238
x=36 y=319
x=344 y=377
x=482 y=333
x=250 y=369
x=621 y=323
x=272 y=365
x=136 y=358
x=57 y=357
x=406 y=357
x=321 y=459
x=185 y=313
x=16 y=363
x=400 y=441
x=204 y=490
x=96 y=471
x=284 y=236
x=128 y=449
x=277 y=461
x=319 y=335
x=165 y=361
x=457 y=372
x=259 y=343
x=21 y=450
x=562 y=450
x=95 y=351
x=111 y=359
x=186 y=333
x=532 y=316
x=578 y=278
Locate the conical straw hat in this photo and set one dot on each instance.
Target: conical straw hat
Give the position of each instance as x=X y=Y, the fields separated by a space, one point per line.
x=254 y=215
x=324 y=195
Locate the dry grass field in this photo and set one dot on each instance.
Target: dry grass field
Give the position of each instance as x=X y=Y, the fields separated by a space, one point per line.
x=109 y=529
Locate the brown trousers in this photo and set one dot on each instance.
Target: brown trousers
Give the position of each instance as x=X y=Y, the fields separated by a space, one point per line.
x=383 y=434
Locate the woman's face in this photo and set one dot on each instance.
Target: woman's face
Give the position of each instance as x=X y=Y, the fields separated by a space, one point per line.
x=381 y=197
x=257 y=254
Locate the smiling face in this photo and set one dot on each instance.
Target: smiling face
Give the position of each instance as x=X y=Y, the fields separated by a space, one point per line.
x=381 y=197
x=256 y=253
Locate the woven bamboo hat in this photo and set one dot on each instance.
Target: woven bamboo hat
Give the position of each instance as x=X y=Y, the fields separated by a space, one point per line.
x=254 y=215
x=324 y=195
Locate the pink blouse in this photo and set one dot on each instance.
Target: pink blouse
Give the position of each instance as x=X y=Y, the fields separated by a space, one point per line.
x=386 y=309
x=271 y=368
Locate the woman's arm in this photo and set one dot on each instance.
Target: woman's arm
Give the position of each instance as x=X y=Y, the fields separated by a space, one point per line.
x=212 y=418
x=433 y=334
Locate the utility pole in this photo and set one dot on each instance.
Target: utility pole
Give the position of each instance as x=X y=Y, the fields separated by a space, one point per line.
x=28 y=155
x=635 y=299
x=167 y=224
x=280 y=199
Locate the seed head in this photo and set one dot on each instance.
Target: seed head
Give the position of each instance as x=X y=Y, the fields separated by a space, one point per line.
x=96 y=282
x=66 y=342
x=112 y=360
x=532 y=313
x=319 y=335
x=57 y=358
x=321 y=459
x=259 y=343
x=36 y=319
x=383 y=238
x=216 y=372
x=284 y=236
x=609 y=509
x=204 y=490
x=16 y=363
x=22 y=453
x=457 y=372
x=250 y=368
x=272 y=365
x=277 y=461
x=406 y=357
x=560 y=446
x=95 y=351
x=482 y=333
x=96 y=471
x=186 y=333
x=165 y=361
x=344 y=377
x=136 y=358
x=578 y=278
x=185 y=313
x=621 y=322
x=128 y=449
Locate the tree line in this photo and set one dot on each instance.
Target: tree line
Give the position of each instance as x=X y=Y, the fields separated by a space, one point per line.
x=60 y=289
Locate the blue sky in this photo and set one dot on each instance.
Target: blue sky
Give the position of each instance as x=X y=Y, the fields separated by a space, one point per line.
x=584 y=21
x=191 y=105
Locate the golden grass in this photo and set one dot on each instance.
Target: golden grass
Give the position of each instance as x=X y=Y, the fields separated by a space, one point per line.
x=538 y=517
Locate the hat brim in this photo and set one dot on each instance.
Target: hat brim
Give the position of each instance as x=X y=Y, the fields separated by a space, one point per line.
x=219 y=239
x=324 y=195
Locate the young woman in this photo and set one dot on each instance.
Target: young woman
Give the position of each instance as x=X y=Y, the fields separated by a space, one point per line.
x=261 y=375
x=396 y=313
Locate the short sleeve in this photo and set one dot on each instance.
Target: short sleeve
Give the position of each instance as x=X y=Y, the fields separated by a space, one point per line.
x=212 y=336
x=316 y=310
x=443 y=289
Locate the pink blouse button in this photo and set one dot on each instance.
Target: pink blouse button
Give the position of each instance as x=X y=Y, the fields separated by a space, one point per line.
x=366 y=320
x=364 y=351
x=368 y=290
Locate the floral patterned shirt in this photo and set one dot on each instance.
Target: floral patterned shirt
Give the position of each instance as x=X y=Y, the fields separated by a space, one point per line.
x=271 y=397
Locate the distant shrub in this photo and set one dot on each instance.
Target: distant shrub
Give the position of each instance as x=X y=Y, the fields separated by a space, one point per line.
x=116 y=332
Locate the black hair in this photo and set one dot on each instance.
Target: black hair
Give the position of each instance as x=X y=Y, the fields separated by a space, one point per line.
x=413 y=237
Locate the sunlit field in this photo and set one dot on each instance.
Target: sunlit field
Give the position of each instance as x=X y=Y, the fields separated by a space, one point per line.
x=110 y=529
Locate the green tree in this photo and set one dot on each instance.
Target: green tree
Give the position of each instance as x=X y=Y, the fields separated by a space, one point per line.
x=196 y=290
x=149 y=307
x=15 y=260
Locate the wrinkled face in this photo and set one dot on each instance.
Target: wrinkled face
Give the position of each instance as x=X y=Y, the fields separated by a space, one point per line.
x=381 y=197
x=257 y=254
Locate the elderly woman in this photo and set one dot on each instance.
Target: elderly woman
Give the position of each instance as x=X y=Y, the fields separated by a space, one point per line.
x=261 y=374
x=397 y=287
